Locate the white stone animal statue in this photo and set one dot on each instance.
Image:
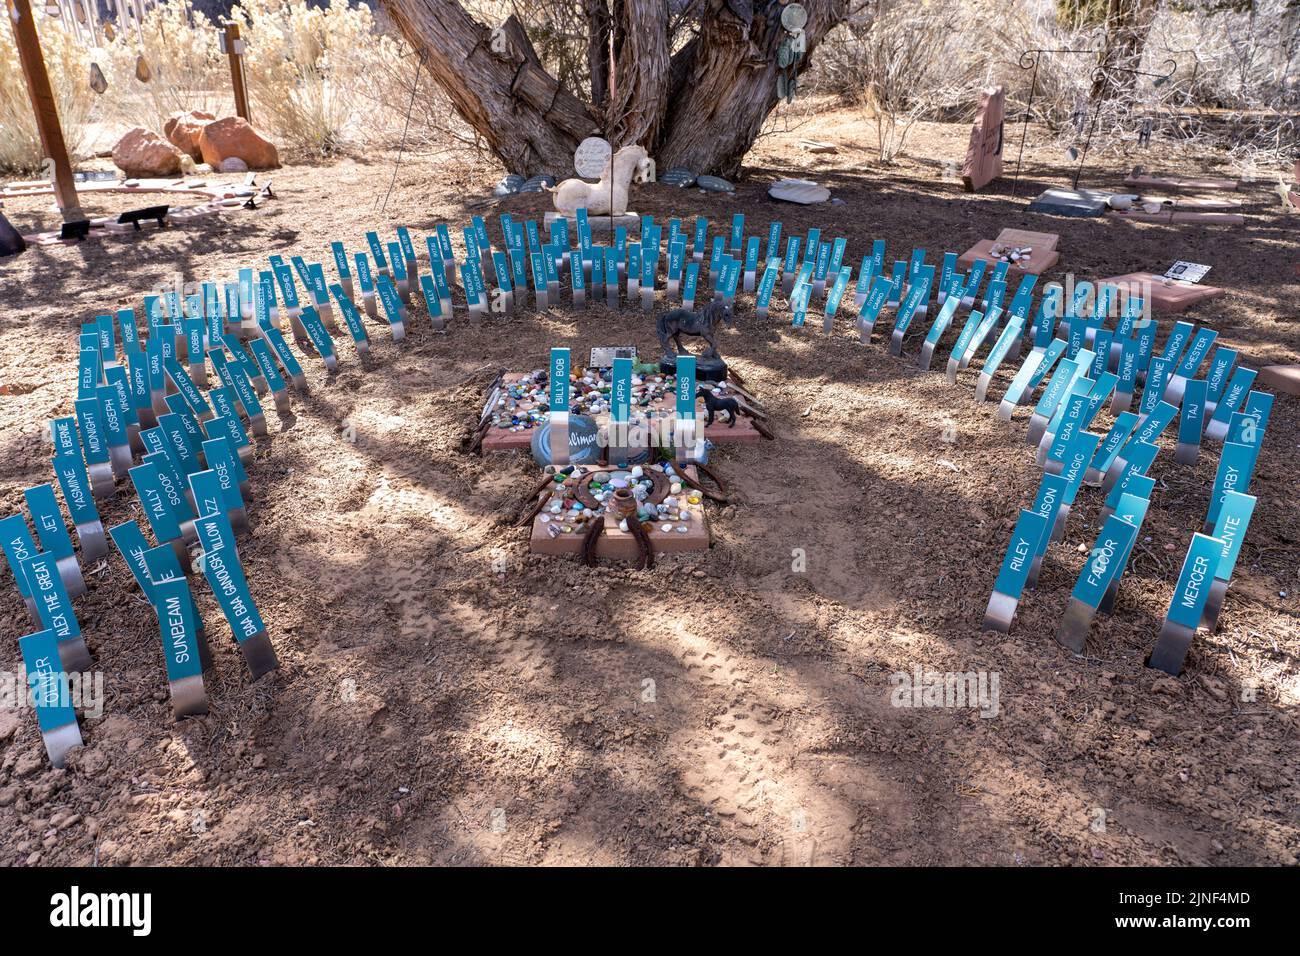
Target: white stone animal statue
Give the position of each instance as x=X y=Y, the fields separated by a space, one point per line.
x=628 y=163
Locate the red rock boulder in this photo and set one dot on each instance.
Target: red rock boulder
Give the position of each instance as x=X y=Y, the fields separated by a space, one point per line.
x=183 y=130
x=233 y=137
x=142 y=153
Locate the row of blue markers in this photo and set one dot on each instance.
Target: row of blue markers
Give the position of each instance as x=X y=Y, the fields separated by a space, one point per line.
x=198 y=444
x=1222 y=406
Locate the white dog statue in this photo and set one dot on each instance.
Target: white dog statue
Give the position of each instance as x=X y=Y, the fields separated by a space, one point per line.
x=628 y=163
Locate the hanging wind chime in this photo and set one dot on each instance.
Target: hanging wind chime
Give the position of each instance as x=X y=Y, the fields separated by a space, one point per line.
x=790 y=51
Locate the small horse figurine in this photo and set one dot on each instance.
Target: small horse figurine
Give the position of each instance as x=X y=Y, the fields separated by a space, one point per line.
x=673 y=325
x=574 y=194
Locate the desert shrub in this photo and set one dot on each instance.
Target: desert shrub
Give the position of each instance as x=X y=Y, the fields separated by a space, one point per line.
x=314 y=73
x=67 y=60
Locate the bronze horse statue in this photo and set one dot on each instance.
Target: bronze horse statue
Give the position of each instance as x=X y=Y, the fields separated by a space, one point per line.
x=673 y=325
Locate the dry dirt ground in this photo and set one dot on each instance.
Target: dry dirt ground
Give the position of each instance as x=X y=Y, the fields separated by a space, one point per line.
x=724 y=708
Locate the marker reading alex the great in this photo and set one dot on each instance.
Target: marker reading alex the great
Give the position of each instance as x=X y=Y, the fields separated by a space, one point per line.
x=1013 y=575
x=54 y=608
x=47 y=683
x=1230 y=528
x=1190 y=595
x=1116 y=536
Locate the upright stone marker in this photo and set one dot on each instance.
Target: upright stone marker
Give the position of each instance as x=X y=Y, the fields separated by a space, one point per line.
x=983 y=162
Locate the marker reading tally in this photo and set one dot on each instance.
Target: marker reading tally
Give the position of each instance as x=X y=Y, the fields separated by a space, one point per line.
x=1014 y=573
x=1116 y=538
x=1190 y=596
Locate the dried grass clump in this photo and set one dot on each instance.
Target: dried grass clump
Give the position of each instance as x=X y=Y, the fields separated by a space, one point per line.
x=67 y=61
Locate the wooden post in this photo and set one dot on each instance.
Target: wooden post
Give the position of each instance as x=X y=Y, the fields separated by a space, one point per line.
x=47 y=114
x=235 y=52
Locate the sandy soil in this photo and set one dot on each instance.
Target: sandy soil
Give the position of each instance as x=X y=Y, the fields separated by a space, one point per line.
x=723 y=708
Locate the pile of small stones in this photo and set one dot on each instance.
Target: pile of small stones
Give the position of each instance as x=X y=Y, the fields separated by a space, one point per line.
x=565 y=514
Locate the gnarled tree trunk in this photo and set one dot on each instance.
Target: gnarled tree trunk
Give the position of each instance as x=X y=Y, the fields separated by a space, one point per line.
x=701 y=107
